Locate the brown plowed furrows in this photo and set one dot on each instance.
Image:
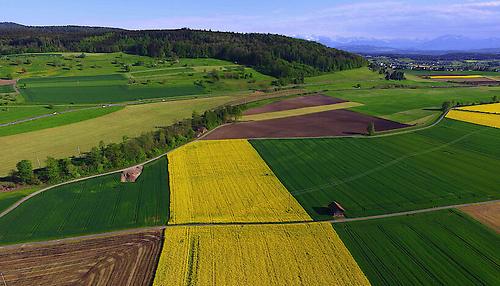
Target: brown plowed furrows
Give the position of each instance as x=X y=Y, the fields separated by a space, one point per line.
x=295 y=103
x=489 y=214
x=258 y=95
x=128 y=259
x=321 y=124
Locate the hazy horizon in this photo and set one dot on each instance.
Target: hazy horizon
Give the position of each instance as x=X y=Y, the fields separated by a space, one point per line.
x=335 y=19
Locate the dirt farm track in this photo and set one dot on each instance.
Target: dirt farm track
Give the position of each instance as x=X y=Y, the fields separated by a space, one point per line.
x=128 y=259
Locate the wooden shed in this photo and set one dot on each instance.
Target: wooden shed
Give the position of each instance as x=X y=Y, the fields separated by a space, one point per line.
x=336 y=209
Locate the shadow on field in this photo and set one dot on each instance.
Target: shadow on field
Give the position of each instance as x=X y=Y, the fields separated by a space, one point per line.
x=322 y=210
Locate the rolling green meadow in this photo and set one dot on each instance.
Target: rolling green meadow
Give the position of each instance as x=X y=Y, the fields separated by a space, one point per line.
x=451 y=163
x=117 y=77
x=409 y=105
x=438 y=248
x=57 y=120
x=91 y=206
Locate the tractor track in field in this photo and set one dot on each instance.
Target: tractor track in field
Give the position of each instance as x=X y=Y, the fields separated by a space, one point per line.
x=163 y=227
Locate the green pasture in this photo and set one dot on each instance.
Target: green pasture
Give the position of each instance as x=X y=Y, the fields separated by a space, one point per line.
x=438 y=248
x=9 y=198
x=407 y=105
x=91 y=206
x=57 y=120
x=451 y=163
x=367 y=79
x=10 y=113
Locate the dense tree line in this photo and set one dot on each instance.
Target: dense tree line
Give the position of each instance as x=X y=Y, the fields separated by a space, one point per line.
x=129 y=152
x=275 y=55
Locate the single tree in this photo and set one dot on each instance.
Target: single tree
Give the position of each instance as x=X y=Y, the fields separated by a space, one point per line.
x=25 y=171
x=371 y=129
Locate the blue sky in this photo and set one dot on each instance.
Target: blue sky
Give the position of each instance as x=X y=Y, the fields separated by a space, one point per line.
x=370 y=19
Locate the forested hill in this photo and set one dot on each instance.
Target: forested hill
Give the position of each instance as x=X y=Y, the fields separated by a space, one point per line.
x=275 y=55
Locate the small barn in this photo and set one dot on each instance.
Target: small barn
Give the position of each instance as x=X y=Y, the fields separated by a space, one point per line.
x=336 y=209
x=130 y=175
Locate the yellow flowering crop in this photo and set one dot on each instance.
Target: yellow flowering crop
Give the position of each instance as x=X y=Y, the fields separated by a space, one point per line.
x=492 y=120
x=492 y=108
x=226 y=181
x=455 y=76
x=305 y=254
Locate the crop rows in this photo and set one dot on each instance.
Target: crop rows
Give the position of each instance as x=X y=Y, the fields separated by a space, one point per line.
x=452 y=163
x=226 y=181
x=96 y=205
x=311 y=254
x=439 y=248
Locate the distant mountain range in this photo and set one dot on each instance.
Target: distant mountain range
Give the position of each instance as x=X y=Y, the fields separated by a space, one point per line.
x=441 y=45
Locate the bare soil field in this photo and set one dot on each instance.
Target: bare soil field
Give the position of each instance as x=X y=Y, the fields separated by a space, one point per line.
x=125 y=259
x=295 y=103
x=328 y=123
x=259 y=95
x=489 y=214
x=7 y=81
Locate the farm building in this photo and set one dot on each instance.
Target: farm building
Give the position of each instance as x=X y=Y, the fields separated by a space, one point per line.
x=131 y=174
x=336 y=209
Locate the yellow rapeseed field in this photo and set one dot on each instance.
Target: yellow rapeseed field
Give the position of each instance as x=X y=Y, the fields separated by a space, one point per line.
x=492 y=120
x=492 y=108
x=455 y=76
x=306 y=254
x=299 y=111
x=226 y=181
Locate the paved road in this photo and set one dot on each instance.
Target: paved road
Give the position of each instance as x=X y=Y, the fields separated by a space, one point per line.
x=334 y=221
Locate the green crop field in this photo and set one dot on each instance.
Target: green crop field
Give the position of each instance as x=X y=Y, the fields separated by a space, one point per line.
x=11 y=113
x=9 y=198
x=438 y=248
x=408 y=105
x=67 y=140
x=91 y=206
x=6 y=89
x=451 y=163
x=57 y=120
x=96 y=89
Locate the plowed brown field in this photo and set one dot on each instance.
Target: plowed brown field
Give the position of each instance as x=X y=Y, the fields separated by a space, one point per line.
x=295 y=103
x=125 y=259
x=328 y=123
x=488 y=214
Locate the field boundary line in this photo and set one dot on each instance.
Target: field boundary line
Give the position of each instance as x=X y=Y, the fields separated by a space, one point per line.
x=221 y=224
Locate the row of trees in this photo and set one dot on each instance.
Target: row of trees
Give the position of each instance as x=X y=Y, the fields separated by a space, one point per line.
x=279 y=56
x=447 y=105
x=127 y=153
